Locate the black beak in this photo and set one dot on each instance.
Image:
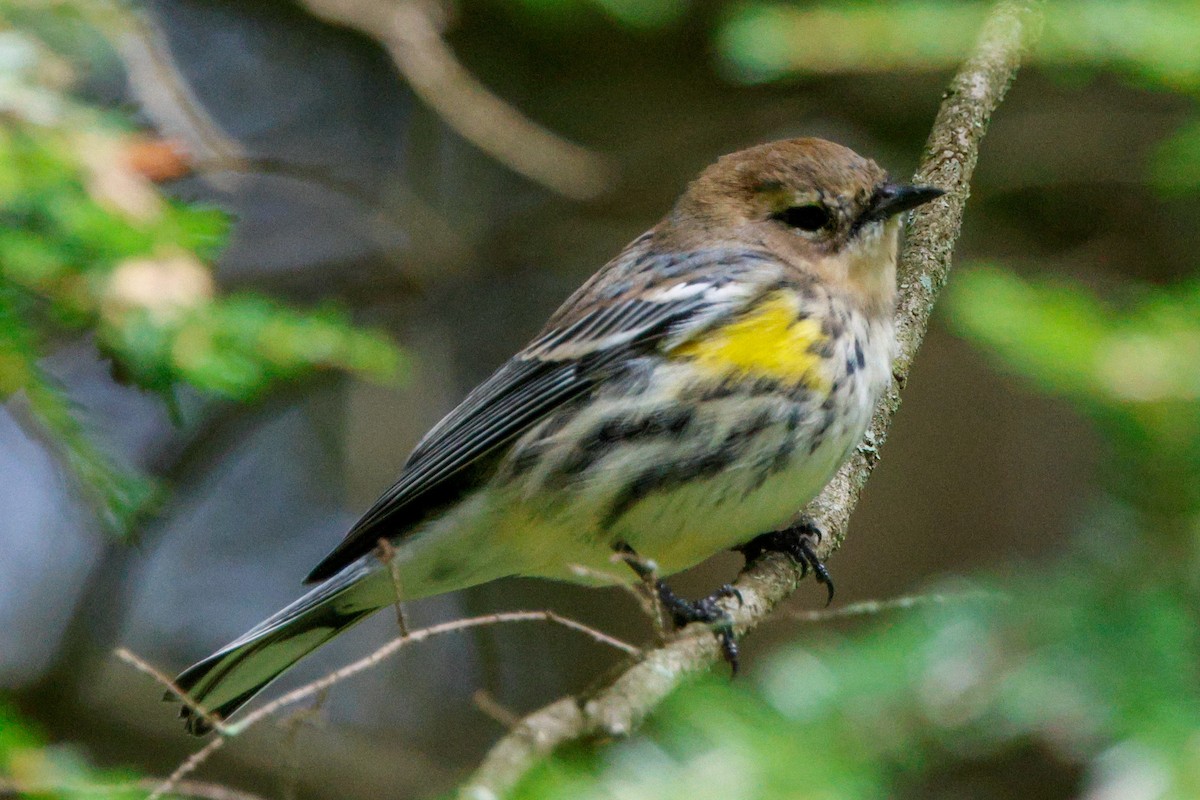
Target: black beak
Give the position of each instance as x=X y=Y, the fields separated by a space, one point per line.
x=891 y=199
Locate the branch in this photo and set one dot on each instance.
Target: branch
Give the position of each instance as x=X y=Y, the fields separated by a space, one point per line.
x=409 y=30
x=209 y=151
x=156 y=78
x=951 y=152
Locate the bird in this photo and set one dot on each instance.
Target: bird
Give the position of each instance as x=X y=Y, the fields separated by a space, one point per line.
x=690 y=397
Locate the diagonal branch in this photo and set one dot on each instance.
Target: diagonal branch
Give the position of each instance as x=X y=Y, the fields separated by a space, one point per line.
x=409 y=30
x=951 y=152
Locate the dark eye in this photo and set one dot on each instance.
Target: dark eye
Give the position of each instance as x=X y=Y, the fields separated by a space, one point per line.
x=811 y=217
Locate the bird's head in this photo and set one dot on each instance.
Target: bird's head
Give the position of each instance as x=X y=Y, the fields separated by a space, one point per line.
x=819 y=206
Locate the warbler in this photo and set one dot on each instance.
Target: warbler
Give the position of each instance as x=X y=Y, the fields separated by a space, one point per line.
x=691 y=397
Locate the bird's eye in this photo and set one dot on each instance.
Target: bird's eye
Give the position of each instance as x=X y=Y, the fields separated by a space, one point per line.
x=811 y=217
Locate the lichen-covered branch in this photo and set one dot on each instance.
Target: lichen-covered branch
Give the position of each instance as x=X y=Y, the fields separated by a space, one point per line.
x=617 y=707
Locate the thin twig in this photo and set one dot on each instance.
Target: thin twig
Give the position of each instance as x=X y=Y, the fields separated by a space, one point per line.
x=293 y=724
x=130 y=658
x=646 y=601
x=499 y=712
x=874 y=607
x=213 y=154
x=386 y=553
x=320 y=686
x=384 y=223
x=407 y=29
x=647 y=572
x=159 y=81
x=951 y=152
x=189 y=766
x=203 y=790
x=308 y=690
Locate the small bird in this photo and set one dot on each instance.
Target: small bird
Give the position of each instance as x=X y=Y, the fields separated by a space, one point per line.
x=691 y=397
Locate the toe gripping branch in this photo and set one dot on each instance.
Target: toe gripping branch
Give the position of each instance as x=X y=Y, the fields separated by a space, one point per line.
x=684 y=612
x=797 y=542
x=704 y=610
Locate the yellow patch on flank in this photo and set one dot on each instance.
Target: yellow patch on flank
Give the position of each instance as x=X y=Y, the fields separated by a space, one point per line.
x=769 y=341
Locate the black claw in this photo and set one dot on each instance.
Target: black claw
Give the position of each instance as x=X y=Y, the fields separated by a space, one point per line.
x=796 y=541
x=818 y=568
x=708 y=611
x=729 y=649
x=728 y=590
x=684 y=612
x=803 y=563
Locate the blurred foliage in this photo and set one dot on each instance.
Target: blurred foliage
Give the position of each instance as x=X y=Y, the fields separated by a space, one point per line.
x=1133 y=369
x=90 y=247
x=1089 y=666
x=30 y=768
x=1090 y=678
x=645 y=14
x=1155 y=43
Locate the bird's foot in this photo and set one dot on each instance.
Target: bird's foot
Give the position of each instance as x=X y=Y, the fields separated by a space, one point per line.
x=706 y=610
x=797 y=541
x=684 y=612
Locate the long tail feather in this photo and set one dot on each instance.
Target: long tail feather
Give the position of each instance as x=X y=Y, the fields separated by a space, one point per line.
x=226 y=680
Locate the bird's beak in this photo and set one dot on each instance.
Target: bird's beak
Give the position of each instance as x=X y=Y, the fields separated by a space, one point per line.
x=891 y=199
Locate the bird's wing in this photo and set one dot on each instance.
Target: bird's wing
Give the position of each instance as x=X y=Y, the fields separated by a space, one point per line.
x=594 y=329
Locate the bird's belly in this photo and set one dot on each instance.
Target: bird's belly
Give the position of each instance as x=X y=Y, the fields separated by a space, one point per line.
x=677 y=501
x=761 y=493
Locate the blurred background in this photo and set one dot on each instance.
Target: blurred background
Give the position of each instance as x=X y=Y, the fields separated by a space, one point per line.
x=252 y=251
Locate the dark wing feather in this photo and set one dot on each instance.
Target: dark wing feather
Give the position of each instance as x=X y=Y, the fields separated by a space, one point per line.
x=515 y=397
x=562 y=364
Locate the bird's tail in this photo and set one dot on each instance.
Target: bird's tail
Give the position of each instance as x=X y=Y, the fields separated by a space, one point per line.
x=226 y=680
